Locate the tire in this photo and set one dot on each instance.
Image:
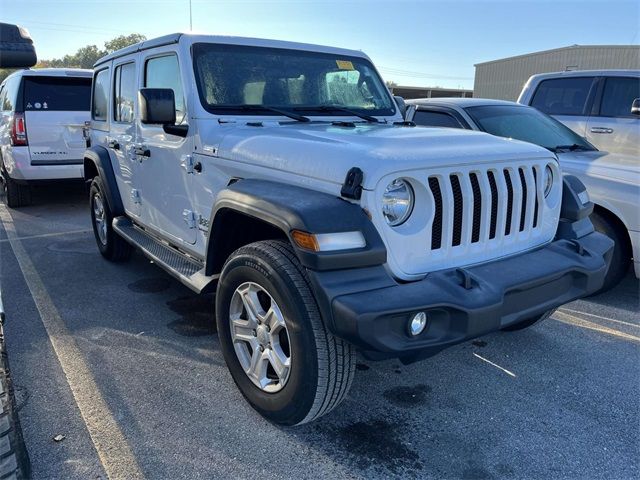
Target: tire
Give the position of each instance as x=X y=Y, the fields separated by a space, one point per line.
x=14 y=459
x=17 y=195
x=111 y=245
x=322 y=366
x=621 y=258
x=529 y=322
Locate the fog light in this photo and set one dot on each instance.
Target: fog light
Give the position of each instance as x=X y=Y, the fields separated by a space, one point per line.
x=417 y=324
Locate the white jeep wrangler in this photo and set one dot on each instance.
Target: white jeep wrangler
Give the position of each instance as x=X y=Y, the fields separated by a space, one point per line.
x=283 y=176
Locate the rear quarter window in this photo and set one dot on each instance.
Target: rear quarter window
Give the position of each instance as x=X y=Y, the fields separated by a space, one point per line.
x=426 y=118
x=563 y=96
x=57 y=94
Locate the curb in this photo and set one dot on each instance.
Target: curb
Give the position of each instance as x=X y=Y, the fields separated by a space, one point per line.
x=14 y=459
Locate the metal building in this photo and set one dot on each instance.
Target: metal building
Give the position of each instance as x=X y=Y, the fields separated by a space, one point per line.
x=409 y=93
x=503 y=79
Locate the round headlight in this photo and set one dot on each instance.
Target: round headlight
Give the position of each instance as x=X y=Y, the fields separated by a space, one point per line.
x=548 y=180
x=397 y=202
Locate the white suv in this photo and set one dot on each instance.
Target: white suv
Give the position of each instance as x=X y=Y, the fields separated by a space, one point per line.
x=602 y=106
x=284 y=177
x=41 y=128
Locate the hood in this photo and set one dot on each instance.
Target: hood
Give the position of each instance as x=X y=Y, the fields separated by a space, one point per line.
x=604 y=164
x=326 y=152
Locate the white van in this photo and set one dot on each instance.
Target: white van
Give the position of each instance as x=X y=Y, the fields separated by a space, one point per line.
x=41 y=128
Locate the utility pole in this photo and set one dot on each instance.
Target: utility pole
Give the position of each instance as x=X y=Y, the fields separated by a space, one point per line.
x=190 y=18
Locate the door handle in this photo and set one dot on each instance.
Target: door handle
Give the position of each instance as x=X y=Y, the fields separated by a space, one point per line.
x=601 y=130
x=141 y=151
x=113 y=144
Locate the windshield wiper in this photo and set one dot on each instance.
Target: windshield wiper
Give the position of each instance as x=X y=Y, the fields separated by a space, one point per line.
x=338 y=108
x=571 y=148
x=255 y=108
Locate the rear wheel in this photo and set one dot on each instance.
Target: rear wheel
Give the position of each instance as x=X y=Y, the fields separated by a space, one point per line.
x=111 y=245
x=621 y=258
x=286 y=363
x=17 y=195
x=529 y=322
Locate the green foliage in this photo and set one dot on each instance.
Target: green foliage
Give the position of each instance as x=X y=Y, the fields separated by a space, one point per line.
x=123 y=41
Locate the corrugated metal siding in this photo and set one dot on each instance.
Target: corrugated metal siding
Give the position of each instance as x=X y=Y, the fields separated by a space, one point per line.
x=504 y=79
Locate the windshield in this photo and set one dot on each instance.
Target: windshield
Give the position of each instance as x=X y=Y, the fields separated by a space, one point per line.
x=230 y=77
x=526 y=124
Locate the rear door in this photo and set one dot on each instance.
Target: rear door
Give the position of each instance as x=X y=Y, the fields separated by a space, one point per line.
x=55 y=110
x=568 y=99
x=612 y=127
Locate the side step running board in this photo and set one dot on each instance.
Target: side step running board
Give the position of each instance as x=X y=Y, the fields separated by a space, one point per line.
x=186 y=269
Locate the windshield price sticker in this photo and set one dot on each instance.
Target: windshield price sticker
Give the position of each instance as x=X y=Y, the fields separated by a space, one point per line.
x=344 y=65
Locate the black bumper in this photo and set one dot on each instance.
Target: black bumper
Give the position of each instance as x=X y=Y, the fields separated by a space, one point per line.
x=370 y=310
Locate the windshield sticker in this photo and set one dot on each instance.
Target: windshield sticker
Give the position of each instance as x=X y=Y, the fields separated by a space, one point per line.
x=344 y=65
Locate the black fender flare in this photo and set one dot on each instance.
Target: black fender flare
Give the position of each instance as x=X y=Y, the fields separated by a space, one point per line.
x=99 y=157
x=289 y=208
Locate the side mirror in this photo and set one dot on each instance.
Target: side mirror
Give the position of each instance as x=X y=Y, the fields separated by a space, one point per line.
x=635 y=107
x=157 y=106
x=401 y=105
x=16 y=47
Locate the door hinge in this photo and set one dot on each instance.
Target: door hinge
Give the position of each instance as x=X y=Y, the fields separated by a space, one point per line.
x=189 y=218
x=186 y=162
x=135 y=196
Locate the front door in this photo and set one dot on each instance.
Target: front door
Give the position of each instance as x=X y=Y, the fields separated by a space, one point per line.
x=162 y=174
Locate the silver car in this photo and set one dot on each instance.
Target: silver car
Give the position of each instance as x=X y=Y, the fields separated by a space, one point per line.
x=612 y=179
x=596 y=104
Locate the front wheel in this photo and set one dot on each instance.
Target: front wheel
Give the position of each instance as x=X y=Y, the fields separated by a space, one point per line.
x=111 y=245
x=286 y=363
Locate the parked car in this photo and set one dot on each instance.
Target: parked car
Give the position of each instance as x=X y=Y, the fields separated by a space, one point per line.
x=596 y=104
x=282 y=176
x=612 y=180
x=41 y=128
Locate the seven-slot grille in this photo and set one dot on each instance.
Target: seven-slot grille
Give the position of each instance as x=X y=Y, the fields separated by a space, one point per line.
x=485 y=205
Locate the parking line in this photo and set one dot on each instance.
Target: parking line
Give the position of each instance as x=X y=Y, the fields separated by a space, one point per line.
x=113 y=450
x=46 y=235
x=495 y=365
x=629 y=324
x=579 y=322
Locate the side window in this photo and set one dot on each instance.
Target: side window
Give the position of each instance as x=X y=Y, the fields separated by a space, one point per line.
x=9 y=94
x=124 y=93
x=3 y=92
x=430 y=118
x=100 y=104
x=164 y=72
x=618 y=95
x=563 y=96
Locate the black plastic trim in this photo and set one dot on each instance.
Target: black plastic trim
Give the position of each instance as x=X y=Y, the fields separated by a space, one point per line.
x=99 y=156
x=288 y=208
x=367 y=308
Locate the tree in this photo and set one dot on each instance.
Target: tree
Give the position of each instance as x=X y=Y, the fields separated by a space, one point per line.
x=123 y=41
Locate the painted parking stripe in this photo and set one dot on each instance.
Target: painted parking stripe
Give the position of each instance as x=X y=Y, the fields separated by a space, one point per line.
x=113 y=450
x=580 y=322
x=607 y=319
x=47 y=235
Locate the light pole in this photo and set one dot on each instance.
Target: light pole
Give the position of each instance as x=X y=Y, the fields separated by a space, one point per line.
x=190 y=18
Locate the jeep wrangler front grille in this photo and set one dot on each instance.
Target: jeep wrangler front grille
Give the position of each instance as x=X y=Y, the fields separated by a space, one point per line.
x=484 y=205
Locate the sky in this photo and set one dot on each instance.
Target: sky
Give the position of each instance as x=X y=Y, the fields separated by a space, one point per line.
x=412 y=42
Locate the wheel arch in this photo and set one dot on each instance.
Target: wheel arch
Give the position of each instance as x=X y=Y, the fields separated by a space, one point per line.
x=262 y=210
x=97 y=162
x=618 y=223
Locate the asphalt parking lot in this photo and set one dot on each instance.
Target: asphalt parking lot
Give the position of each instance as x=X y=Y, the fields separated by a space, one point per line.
x=124 y=362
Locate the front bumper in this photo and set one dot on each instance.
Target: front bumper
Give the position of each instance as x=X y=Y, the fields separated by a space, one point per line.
x=370 y=310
